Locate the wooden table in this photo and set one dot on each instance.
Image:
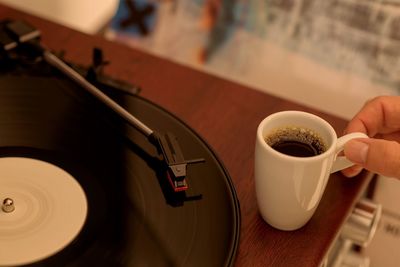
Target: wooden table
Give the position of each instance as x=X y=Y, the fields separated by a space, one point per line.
x=226 y=115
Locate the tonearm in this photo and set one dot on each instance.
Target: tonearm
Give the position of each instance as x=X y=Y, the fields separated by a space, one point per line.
x=16 y=33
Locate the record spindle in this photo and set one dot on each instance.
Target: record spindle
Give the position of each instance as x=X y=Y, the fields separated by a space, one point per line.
x=8 y=205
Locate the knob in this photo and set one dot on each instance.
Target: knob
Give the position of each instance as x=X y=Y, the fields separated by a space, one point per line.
x=361 y=225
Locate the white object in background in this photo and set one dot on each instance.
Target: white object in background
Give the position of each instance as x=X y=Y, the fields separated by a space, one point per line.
x=384 y=248
x=88 y=16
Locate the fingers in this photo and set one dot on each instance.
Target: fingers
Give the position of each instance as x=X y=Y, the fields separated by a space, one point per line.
x=381 y=115
x=352 y=171
x=376 y=155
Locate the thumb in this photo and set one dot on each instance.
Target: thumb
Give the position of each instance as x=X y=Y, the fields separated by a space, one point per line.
x=375 y=155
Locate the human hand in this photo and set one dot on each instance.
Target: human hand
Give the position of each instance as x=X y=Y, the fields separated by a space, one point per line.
x=380 y=120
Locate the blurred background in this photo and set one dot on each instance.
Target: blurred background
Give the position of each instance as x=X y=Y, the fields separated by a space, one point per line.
x=332 y=55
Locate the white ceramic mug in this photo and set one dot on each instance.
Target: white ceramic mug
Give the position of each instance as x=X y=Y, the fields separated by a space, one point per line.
x=289 y=188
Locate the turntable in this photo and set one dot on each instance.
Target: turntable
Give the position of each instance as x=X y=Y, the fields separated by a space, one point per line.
x=92 y=174
x=213 y=106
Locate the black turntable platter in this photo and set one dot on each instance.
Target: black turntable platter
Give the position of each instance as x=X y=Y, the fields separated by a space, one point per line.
x=133 y=216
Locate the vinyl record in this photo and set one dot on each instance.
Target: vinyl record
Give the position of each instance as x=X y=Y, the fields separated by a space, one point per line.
x=133 y=217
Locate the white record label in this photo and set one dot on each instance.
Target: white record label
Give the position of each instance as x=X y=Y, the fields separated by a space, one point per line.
x=50 y=209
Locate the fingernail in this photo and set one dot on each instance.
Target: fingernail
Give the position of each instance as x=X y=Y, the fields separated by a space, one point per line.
x=357 y=151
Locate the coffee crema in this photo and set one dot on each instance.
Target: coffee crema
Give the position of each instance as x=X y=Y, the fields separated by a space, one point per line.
x=296 y=141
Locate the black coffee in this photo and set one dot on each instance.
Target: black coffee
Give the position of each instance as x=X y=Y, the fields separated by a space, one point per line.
x=296 y=141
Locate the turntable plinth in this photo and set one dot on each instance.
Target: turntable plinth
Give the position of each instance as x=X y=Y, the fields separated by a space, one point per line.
x=216 y=110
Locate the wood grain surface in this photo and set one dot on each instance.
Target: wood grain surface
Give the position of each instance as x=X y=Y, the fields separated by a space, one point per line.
x=226 y=115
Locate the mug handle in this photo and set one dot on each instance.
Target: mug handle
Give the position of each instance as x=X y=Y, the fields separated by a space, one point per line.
x=342 y=162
